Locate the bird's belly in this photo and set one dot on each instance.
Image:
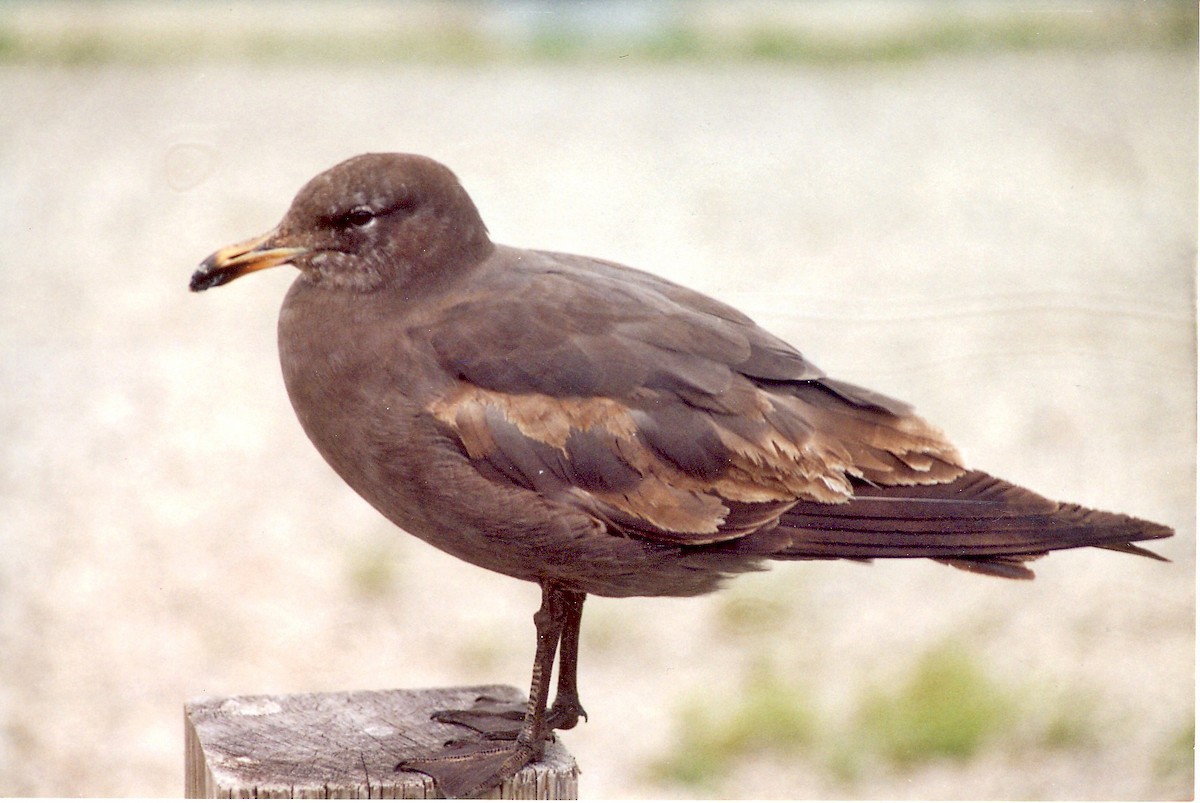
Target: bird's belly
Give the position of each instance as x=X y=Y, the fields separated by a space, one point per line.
x=394 y=458
x=397 y=459
x=367 y=419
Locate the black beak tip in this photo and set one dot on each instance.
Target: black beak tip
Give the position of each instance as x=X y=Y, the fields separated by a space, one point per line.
x=205 y=279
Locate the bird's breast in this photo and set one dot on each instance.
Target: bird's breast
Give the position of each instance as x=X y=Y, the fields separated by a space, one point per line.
x=358 y=377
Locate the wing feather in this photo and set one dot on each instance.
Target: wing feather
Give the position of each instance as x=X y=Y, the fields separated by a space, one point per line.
x=976 y=518
x=671 y=417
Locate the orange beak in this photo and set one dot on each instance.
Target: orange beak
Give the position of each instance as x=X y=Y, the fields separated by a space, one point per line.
x=235 y=261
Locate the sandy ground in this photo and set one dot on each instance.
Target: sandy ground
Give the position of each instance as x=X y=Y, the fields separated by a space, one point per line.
x=1008 y=242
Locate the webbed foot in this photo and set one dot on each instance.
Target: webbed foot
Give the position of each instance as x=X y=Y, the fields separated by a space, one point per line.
x=470 y=768
x=493 y=718
x=502 y=719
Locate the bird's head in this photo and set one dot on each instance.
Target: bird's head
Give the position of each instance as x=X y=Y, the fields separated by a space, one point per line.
x=372 y=220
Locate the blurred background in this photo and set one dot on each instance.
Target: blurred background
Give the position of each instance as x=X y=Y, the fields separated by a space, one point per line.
x=985 y=208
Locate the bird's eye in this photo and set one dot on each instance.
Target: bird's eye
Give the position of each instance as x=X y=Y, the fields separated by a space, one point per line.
x=359 y=217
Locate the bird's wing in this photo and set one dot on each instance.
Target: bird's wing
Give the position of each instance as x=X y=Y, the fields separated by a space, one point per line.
x=975 y=522
x=663 y=413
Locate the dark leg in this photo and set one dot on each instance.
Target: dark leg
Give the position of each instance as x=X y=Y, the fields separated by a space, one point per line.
x=498 y=719
x=466 y=769
x=567 y=710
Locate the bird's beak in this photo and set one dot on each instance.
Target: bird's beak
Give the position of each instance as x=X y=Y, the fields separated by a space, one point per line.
x=235 y=261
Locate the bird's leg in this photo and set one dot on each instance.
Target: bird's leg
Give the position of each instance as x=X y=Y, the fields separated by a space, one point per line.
x=500 y=719
x=466 y=769
x=567 y=709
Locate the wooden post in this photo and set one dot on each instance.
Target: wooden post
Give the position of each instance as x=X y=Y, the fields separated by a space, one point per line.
x=343 y=745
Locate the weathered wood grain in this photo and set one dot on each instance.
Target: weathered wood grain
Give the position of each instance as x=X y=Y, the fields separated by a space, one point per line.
x=341 y=745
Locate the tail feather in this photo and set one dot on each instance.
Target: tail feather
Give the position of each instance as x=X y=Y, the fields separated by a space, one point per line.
x=1010 y=568
x=1131 y=549
x=977 y=523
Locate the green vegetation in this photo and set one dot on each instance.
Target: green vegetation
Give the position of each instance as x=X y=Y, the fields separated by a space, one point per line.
x=948 y=708
x=463 y=36
x=1176 y=761
x=1069 y=722
x=769 y=716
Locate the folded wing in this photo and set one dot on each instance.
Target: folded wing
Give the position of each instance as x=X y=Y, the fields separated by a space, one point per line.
x=674 y=418
x=976 y=522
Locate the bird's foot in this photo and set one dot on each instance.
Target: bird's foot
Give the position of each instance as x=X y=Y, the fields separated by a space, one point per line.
x=495 y=719
x=564 y=715
x=470 y=768
x=501 y=719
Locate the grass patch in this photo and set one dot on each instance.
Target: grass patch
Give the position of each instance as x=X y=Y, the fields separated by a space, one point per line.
x=1070 y=723
x=947 y=708
x=769 y=717
x=1176 y=761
